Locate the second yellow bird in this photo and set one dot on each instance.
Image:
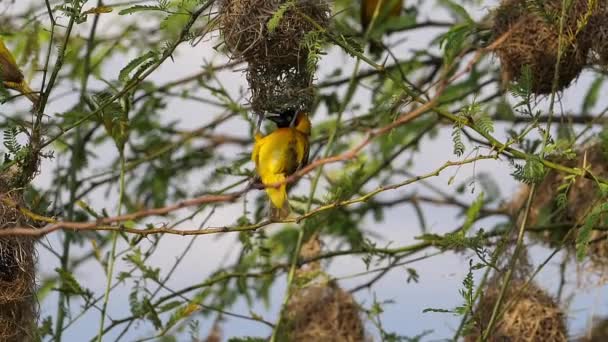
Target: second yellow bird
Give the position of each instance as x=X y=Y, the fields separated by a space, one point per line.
x=11 y=76
x=277 y=156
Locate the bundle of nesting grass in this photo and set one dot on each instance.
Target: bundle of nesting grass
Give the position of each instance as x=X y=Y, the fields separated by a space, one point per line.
x=527 y=313
x=17 y=266
x=270 y=31
x=322 y=312
x=270 y=36
x=528 y=34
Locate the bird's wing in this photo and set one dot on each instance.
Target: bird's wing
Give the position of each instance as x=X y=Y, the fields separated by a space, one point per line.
x=10 y=71
x=257 y=145
x=303 y=150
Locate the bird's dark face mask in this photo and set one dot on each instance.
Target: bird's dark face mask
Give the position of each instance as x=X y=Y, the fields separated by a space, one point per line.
x=283 y=119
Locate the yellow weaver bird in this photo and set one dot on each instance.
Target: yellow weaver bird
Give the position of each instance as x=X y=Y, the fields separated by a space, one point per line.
x=277 y=156
x=371 y=7
x=11 y=76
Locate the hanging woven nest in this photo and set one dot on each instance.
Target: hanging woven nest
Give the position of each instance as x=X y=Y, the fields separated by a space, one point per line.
x=270 y=31
x=598 y=33
x=530 y=315
x=531 y=40
x=322 y=312
x=580 y=198
x=18 y=309
x=280 y=88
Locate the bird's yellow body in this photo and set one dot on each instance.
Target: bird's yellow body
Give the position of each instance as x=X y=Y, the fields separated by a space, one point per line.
x=11 y=76
x=368 y=8
x=277 y=156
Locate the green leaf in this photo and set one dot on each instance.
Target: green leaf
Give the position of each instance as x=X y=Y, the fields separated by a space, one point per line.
x=459 y=147
x=484 y=123
x=593 y=94
x=453 y=41
x=531 y=172
x=457 y=10
x=130 y=224
x=169 y=306
x=274 y=22
x=472 y=214
x=151 y=313
x=69 y=284
x=123 y=76
x=140 y=8
x=46 y=327
x=584 y=234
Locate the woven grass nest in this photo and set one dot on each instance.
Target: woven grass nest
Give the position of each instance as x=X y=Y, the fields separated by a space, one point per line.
x=18 y=309
x=244 y=25
x=599 y=32
x=279 y=88
x=527 y=314
x=322 y=312
x=530 y=315
x=581 y=197
x=531 y=38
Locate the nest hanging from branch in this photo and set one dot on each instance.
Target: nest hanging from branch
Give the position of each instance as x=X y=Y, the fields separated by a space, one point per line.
x=531 y=40
x=270 y=31
x=531 y=315
x=279 y=88
x=18 y=307
x=599 y=34
x=582 y=195
x=322 y=312
x=528 y=313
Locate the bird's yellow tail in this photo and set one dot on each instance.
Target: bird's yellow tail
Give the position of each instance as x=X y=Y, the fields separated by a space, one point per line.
x=25 y=90
x=278 y=196
x=29 y=93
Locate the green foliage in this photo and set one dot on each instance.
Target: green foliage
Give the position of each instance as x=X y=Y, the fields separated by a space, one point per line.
x=561 y=199
x=459 y=147
x=593 y=94
x=472 y=213
x=143 y=8
x=313 y=45
x=10 y=140
x=467 y=292
x=522 y=88
x=277 y=16
x=484 y=123
x=584 y=233
x=140 y=62
x=533 y=171
x=136 y=259
x=454 y=41
x=247 y=339
x=70 y=286
x=457 y=10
